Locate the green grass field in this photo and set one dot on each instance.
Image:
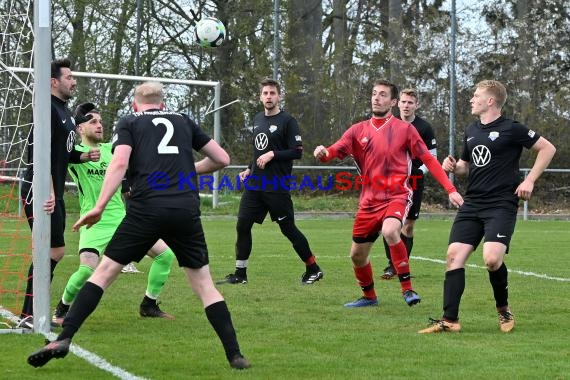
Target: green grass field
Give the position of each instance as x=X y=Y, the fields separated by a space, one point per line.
x=289 y=331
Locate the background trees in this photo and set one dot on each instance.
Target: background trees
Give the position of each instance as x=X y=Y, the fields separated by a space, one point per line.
x=330 y=52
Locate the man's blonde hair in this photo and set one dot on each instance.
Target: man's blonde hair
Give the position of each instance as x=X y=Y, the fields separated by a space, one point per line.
x=149 y=93
x=411 y=92
x=496 y=89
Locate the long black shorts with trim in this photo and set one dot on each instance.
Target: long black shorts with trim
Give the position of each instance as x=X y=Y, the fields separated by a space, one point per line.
x=57 y=222
x=492 y=222
x=255 y=205
x=180 y=229
x=417 y=196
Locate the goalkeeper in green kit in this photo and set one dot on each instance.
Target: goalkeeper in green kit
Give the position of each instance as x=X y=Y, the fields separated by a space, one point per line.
x=93 y=241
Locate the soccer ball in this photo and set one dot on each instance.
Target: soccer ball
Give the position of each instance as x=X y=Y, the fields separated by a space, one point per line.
x=210 y=32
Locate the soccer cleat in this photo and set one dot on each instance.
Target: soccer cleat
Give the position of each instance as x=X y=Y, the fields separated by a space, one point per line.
x=411 y=297
x=59 y=313
x=56 y=349
x=441 y=325
x=130 y=268
x=389 y=273
x=26 y=322
x=310 y=278
x=239 y=362
x=232 y=278
x=506 y=321
x=362 y=302
x=149 y=308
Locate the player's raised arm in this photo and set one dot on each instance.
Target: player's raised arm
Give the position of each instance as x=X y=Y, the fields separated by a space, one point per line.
x=459 y=168
x=216 y=158
x=439 y=174
x=545 y=154
x=320 y=152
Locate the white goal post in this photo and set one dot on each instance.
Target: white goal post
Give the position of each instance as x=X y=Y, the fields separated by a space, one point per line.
x=25 y=53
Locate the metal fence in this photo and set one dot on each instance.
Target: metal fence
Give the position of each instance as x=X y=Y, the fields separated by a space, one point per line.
x=212 y=187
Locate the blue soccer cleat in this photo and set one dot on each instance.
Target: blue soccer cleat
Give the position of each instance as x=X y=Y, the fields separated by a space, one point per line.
x=411 y=297
x=362 y=302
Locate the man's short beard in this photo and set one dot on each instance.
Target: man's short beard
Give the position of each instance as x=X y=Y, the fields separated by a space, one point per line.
x=380 y=114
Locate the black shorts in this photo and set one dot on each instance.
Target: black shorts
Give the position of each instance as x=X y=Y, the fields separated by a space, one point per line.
x=141 y=228
x=494 y=222
x=255 y=205
x=57 y=221
x=417 y=196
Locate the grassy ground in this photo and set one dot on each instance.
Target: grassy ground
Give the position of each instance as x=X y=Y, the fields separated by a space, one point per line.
x=290 y=331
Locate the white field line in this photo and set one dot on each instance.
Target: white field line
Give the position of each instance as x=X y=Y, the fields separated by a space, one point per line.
x=89 y=357
x=522 y=273
x=439 y=261
x=120 y=373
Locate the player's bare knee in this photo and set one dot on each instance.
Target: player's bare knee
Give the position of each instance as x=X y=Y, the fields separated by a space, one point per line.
x=91 y=259
x=492 y=262
x=57 y=253
x=408 y=228
x=391 y=233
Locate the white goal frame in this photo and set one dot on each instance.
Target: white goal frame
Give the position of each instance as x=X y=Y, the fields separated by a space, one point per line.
x=42 y=54
x=42 y=162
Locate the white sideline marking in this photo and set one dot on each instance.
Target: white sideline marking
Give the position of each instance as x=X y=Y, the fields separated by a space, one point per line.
x=522 y=273
x=89 y=357
x=120 y=373
x=98 y=361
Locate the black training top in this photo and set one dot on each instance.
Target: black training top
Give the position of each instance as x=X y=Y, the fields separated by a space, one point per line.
x=280 y=134
x=161 y=168
x=426 y=133
x=493 y=152
x=62 y=145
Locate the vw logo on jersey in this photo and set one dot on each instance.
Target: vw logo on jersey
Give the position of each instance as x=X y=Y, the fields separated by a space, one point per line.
x=481 y=155
x=70 y=141
x=261 y=141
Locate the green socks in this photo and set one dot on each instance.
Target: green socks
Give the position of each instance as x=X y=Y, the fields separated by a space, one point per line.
x=75 y=283
x=158 y=274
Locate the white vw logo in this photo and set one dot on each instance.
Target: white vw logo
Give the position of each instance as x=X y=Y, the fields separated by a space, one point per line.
x=70 y=141
x=481 y=155
x=261 y=141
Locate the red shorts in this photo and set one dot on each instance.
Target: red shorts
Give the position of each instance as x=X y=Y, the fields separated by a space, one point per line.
x=368 y=224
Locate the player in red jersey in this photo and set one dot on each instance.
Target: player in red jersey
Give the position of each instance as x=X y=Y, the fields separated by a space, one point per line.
x=383 y=148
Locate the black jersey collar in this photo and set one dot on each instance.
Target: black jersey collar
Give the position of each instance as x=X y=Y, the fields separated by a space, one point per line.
x=58 y=100
x=494 y=123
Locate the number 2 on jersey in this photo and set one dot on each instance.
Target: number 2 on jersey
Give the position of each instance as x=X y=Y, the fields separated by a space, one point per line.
x=163 y=147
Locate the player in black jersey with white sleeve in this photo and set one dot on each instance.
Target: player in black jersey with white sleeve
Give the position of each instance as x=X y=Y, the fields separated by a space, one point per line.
x=276 y=143
x=408 y=104
x=492 y=149
x=156 y=146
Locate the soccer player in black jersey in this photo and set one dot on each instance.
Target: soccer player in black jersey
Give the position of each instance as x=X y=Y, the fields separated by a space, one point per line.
x=62 y=151
x=276 y=143
x=492 y=148
x=156 y=147
x=408 y=104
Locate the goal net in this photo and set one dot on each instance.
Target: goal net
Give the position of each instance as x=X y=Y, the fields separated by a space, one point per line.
x=111 y=93
x=16 y=99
